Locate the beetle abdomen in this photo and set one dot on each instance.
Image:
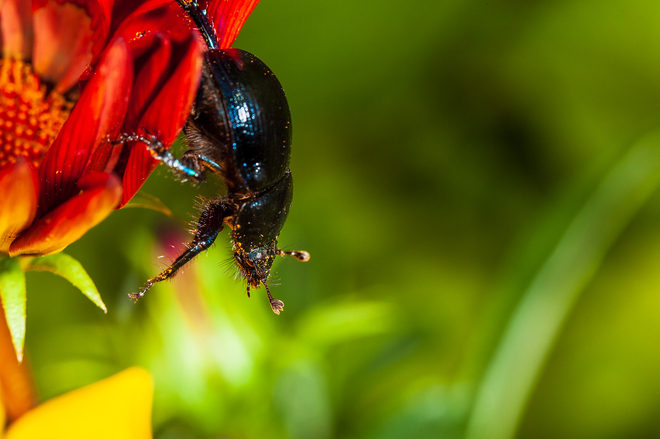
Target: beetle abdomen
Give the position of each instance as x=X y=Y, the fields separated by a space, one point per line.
x=252 y=120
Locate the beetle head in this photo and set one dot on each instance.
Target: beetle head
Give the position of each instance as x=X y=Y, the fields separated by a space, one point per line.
x=255 y=263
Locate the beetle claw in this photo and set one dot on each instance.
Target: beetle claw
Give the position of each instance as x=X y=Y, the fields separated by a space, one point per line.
x=135 y=296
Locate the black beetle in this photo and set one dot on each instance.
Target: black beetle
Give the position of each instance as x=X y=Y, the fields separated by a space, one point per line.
x=240 y=129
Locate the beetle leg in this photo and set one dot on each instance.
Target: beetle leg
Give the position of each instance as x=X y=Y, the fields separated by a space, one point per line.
x=159 y=152
x=199 y=162
x=210 y=223
x=199 y=17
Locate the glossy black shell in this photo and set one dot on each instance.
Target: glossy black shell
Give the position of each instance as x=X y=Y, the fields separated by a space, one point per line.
x=239 y=129
x=242 y=115
x=260 y=220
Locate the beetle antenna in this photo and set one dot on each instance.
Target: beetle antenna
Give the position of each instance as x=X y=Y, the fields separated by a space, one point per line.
x=301 y=255
x=276 y=305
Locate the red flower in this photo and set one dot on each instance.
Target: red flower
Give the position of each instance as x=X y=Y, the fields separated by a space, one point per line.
x=74 y=76
x=59 y=173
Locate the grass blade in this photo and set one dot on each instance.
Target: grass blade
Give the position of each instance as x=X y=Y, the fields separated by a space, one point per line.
x=545 y=304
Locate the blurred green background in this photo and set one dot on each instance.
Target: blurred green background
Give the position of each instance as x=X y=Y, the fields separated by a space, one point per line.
x=476 y=182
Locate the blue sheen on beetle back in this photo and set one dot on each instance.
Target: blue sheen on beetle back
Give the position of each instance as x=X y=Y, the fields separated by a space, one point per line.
x=258 y=115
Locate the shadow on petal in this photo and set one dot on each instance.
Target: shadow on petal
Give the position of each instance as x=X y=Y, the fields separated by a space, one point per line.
x=19 y=187
x=116 y=407
x=99 y=195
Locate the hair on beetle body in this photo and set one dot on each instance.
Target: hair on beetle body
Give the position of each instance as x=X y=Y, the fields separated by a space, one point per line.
x=239 y=129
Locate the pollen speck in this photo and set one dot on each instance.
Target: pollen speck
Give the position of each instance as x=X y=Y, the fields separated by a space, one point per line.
x=30 y=118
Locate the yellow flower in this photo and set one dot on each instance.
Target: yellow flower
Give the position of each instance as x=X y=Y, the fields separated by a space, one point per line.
x=118 y=407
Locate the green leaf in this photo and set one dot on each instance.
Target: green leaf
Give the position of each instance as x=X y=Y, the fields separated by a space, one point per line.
x=65 y=266
x=147 y=201
x=12 y=292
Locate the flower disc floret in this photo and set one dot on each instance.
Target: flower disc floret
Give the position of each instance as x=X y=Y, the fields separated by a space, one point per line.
x=30 y=117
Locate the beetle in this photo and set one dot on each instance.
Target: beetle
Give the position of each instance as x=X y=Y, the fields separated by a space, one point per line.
x=239 y=129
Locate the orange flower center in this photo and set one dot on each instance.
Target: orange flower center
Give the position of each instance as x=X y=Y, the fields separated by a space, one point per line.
x=30 y=118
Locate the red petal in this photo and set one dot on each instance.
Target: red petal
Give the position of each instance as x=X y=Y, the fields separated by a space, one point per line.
x=100 y=12
x=170 y=108
x=140 y=165
x=165 y=41
x=125 y=10
x=16 y=27
x=20 y=191
x=99 y=195
x=99 y=112
x=228 y=17
x=155 y=16
x=16 y=382
x=66 y=38
x=165 y=116
x=148 y=81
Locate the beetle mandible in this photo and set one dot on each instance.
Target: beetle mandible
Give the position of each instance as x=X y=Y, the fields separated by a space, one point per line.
x=239 y=129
